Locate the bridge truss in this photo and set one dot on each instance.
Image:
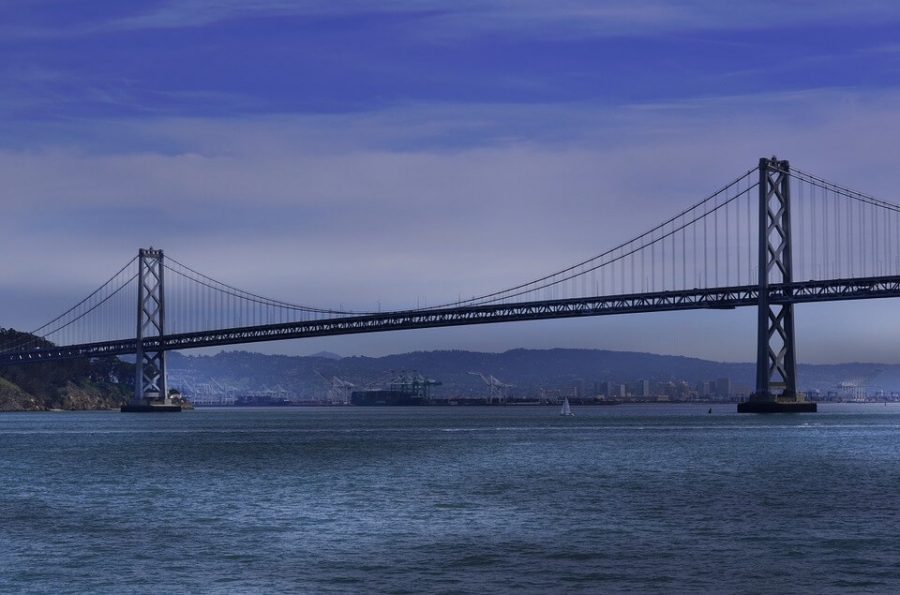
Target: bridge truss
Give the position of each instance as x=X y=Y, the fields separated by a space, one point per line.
x=699 y=299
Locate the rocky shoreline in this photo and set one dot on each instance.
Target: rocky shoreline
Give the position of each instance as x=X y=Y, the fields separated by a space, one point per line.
x=71 y=397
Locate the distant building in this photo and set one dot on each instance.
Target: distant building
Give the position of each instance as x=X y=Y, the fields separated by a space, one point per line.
x=642 y=388
x=723 y=388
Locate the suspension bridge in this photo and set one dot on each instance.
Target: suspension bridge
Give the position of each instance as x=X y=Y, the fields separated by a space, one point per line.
x=772 y=238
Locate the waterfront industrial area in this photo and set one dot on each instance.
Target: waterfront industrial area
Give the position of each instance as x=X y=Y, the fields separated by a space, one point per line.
x=331 y=382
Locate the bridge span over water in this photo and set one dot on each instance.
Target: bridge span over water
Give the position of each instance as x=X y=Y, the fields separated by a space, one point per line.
x=746 y=245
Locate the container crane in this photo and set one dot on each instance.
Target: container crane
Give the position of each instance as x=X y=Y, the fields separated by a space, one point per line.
x=855 y=388
x=340 y=389
x=495 y=387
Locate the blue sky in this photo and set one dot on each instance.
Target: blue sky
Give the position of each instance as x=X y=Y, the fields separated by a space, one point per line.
x=363 y=153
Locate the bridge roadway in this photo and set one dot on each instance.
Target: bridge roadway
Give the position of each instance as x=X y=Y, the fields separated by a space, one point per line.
x=694 y=299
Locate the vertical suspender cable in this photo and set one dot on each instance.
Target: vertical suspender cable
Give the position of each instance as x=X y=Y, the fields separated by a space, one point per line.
x=835 y=237
x=695 y=255
x=727 y=242
x=751 y=236
x=801 y=222
x=705 y=270
x=685 y=256
x=622 y=269
x=674 y=260
x=824 y=231
x=849 y=236
x=737 y=234
x=889 y=268
x=643 y=269
x=885 y=251
x=716 y=240
x=862 y=239
x=876 y=263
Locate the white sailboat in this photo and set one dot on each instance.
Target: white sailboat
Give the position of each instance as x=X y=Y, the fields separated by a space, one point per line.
x=566 y=411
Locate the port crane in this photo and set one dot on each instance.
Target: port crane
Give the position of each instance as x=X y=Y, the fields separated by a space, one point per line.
x=855 y=388
x=340 y=389
x=496 y=389
x=411 y=383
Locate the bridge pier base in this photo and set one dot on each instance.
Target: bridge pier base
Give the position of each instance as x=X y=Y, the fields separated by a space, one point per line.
x=151 y=403
x=159 y=407
x=777 y=404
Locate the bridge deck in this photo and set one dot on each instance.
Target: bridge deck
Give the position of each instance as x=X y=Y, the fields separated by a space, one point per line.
x=722 y=298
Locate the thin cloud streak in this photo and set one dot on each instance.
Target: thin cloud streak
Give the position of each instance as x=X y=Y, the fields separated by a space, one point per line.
x=566 y=17
x=543 y=18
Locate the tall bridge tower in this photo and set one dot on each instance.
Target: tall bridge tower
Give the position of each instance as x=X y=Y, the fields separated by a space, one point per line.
x=150 y=391
x=776 y=361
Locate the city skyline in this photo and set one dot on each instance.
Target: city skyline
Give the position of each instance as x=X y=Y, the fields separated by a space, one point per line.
x=338 y=155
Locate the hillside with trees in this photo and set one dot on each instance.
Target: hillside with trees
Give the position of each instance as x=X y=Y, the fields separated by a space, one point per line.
x=78 y=384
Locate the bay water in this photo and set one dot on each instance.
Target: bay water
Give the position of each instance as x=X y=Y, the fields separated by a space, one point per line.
x=506 y=499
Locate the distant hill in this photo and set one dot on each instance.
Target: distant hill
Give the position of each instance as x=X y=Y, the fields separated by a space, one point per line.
x=108 y=382
x=327 y=355
x=530 y=370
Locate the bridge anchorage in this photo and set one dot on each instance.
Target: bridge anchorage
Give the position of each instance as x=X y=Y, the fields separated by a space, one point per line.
x=776 y=361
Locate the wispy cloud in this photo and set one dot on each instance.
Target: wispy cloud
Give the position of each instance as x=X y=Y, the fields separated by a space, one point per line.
x=463 y=17
x=586 y=16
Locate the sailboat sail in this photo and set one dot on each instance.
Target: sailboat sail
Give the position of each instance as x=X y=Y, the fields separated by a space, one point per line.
x=566 y=410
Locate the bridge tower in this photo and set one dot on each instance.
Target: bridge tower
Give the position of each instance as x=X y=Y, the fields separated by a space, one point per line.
x=776 y=362
x=150 y=391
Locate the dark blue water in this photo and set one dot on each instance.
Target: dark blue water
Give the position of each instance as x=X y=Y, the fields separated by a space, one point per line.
x=644 y=499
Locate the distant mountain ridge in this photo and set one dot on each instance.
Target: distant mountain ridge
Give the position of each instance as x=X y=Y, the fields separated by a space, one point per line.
x=327 y=355
x=530 y=370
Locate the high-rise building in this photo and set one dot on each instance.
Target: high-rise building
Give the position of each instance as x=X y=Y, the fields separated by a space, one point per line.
x=723 y=388
x=642 y=388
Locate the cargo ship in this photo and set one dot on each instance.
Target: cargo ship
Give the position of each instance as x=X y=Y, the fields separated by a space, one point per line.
x=403 y=389
x=262 y=401
x=385 y=397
